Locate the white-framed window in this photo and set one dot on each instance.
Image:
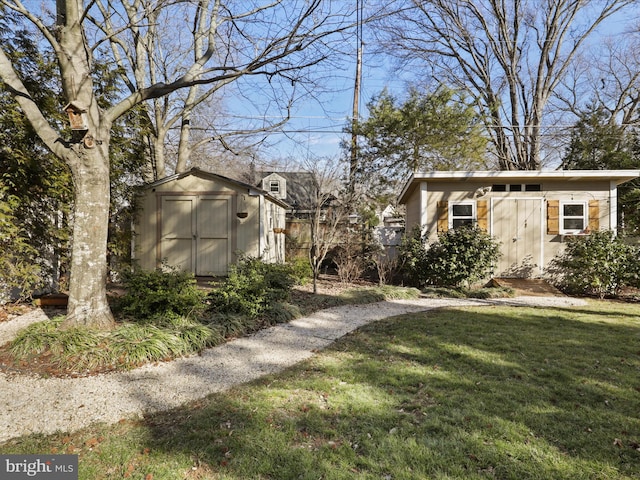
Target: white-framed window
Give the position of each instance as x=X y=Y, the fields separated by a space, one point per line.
x=573 y=217
x=274 y=186
x=462 y=213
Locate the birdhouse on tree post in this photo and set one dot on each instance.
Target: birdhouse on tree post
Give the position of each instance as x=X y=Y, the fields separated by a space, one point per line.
x=79 y=124
x=77 y=117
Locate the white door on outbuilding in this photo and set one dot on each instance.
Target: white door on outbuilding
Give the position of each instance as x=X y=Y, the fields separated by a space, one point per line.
x=517 y=224
x=196 y=233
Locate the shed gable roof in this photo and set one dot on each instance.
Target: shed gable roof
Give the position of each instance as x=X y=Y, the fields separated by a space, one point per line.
x=197 y=172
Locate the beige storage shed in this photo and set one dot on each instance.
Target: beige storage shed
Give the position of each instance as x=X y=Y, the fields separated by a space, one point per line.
x=531 y=213
x=198 y=221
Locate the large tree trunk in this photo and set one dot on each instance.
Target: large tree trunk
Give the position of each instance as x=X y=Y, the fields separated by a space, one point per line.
x=88 y=157
x=88 y=303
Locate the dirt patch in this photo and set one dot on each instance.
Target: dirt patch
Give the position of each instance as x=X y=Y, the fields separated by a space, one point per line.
x=527 y=286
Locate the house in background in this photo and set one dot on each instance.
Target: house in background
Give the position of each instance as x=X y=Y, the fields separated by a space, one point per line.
x=531 y=213
x=299 y=191
x=198 y=221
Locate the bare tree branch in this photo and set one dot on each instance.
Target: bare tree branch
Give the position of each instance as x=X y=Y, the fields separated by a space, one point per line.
x=511 y=56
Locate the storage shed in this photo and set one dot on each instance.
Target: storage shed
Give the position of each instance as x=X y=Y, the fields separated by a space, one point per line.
x=531 y=213
x=198 y=221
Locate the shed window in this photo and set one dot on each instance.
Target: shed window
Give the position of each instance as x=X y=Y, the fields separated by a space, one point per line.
x=274 y=186
x=499 y=188
x=461 y=214
x=533 y=187
x=573 y=217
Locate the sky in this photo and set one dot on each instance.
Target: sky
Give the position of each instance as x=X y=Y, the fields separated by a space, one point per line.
x=315 y=129
x=316 y=126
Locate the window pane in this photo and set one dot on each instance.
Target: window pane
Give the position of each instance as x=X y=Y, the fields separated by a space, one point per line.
x=460 y=222
x=499 y=188
x=515 y=188
x=533 y=187
x=573 y=224
x=462 y=210
x=574 y=210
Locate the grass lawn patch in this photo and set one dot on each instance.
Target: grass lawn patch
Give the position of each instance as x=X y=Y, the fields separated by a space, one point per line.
x=461 y=393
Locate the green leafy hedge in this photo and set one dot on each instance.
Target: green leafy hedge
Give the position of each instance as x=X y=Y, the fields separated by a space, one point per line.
x=252 y=287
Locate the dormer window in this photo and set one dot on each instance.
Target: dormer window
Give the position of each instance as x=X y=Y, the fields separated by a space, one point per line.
x=275 y=185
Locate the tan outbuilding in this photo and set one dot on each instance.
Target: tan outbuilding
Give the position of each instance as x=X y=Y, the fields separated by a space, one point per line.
x=200 y=222
x=531 y=213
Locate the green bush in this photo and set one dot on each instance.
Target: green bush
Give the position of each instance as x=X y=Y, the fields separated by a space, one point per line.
x=20 y=272
x=151 y=294
x=412 y=253
x=252 y=287
x=598 y=264
x=461 y=255
x=300 y=270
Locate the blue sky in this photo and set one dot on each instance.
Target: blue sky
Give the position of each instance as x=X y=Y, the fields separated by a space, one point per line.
x=315 y=128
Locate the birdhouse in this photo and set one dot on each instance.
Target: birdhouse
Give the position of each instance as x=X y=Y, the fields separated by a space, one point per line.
x=77 y=116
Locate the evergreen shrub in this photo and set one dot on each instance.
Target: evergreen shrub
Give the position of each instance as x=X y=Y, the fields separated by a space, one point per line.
x=598 y=264
x=252 y=287
x=459 y=256
x=158 y=293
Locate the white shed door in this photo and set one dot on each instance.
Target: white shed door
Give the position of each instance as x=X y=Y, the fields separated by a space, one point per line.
x=196 y=233
x=517 y=224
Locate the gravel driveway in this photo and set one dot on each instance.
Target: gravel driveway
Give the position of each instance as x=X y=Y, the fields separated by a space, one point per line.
x=37 y=405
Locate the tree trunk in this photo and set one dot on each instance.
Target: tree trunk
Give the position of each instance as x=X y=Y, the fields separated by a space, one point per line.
x=88 y=303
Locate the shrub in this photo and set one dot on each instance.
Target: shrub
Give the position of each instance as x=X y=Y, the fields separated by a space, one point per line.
x=598 y=264
x=252 y=286
x=300 y=270
x=157 y=293
x=461 y=255
x=412 y=253
x=20 y=272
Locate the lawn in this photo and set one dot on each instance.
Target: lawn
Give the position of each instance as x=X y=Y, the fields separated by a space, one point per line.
x=464 y=393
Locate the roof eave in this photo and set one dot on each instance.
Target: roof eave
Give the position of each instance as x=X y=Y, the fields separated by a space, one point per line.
x=619 y=176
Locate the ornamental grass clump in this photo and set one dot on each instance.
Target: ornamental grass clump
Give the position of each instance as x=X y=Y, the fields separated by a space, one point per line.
x=84 y=350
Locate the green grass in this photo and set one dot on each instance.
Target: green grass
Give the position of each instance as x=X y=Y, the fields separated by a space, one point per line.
x=464 y=393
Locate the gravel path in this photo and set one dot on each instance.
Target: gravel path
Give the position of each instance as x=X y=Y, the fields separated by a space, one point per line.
x=35 y=405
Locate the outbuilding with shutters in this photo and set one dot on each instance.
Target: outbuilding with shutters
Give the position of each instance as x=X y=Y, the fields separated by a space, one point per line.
x=531 y=213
